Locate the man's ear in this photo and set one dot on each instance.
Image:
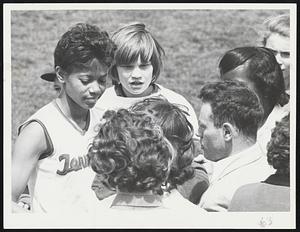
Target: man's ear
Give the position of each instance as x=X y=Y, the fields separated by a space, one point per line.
x=60 y=74
x=228 y=131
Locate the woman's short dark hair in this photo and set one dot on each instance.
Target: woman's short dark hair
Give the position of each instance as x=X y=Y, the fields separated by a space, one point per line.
x=131 y=151
x=263 y=71
x=178 y=130
x=279 y=146
x=82 y=43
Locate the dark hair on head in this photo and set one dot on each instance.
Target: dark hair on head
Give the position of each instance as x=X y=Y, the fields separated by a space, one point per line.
x=82 y=43
x=134 y=40
x=279 y=146
x=233 y=102
x=262 y=70
x=178 y=130
x=131 y=151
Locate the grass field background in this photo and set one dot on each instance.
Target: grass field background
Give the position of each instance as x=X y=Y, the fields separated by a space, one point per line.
x=194 y=41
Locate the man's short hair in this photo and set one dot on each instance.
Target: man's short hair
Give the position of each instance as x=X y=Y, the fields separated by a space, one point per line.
x=235 y=103
x=279 y=146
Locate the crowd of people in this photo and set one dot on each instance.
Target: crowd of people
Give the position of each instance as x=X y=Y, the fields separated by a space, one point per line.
x=141 y=146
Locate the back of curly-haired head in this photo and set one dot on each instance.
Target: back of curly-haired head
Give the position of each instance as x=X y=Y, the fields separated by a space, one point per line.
x=178 y=130
x=262 y=70
x=279 y=146
x=233 y=102
x=132 y=151
x=82 y=43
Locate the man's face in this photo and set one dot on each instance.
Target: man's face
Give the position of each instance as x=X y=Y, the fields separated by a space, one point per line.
x=280 y=45
x=211 y=137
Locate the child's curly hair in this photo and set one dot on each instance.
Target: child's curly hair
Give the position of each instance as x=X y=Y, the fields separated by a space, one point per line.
x=279 y=146
x=178 y=130
x=131 y=151
x=80 y=44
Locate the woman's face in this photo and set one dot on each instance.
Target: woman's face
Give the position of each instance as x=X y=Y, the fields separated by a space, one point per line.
x=85 y=86
x=136 y=78
x=280 y=45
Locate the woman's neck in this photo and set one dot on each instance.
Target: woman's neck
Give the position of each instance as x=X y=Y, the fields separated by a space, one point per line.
x=73 y=111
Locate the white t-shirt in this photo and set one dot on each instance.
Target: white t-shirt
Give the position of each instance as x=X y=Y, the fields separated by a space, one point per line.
x=62 y=179
x=111 y=101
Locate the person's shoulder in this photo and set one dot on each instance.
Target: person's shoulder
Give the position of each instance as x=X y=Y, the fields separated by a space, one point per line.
x=109 y=100
x=164 y=90
x=48 y=108
x=44 y=112
x=248 y=189
x=109 y=92
x=245 y=197
x=175 y=201
x=173 y=96
x=104 y=204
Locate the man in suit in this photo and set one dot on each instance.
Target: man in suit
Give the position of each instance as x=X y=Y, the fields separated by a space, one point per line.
x=229 y=118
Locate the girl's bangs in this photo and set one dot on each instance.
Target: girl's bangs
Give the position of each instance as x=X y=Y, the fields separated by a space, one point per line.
x=132 y=49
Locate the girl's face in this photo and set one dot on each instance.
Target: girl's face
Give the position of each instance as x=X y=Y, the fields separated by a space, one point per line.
x=136 y=78
x=86 y=85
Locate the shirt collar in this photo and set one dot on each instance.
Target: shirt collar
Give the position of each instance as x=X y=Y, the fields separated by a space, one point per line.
x=231 y=163
x=144 y=200
x=278 y=179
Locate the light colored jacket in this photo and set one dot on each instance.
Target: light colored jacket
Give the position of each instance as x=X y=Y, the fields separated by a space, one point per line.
x=248 y=166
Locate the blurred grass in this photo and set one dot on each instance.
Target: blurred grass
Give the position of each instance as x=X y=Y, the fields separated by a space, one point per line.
x=194 y=41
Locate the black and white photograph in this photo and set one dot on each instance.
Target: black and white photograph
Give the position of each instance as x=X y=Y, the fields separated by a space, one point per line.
x=149 y=115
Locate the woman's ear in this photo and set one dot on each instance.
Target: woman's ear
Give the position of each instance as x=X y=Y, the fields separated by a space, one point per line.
x=59 y=74
x=228 y=131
